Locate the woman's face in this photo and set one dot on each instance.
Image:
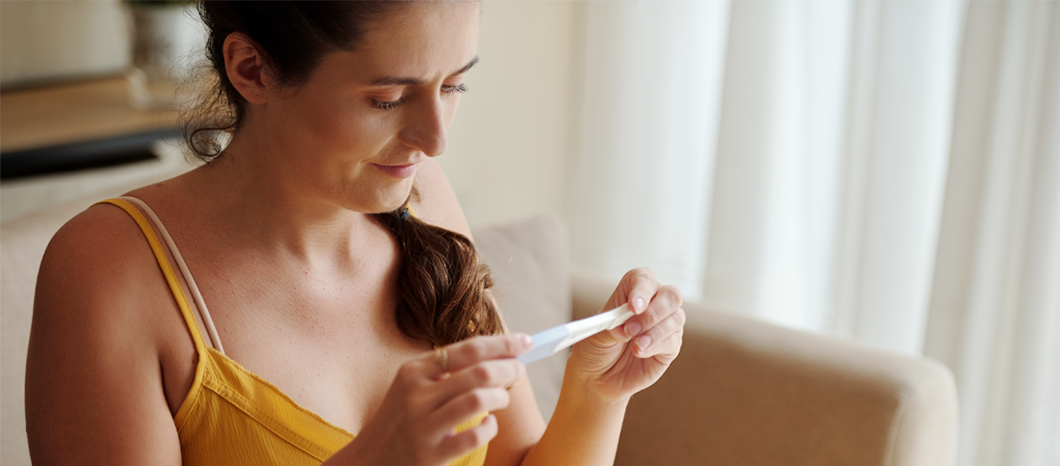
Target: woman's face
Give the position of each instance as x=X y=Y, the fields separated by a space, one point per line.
x=357 y=130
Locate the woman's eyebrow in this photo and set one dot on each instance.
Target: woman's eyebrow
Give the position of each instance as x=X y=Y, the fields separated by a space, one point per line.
x=466 y=67
x=396 y=81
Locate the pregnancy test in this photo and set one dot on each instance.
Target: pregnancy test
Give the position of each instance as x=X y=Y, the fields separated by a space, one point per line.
x=551 y=341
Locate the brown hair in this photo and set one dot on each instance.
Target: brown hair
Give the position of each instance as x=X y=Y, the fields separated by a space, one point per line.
x=442 y=284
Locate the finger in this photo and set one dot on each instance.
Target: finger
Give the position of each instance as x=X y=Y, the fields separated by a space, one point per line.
x=497 y=373
x=642 y=287
x=474 y=350
x=468 y=405
x=647 y=344
x=469 y=440
x=665 y=302
x=669 y=348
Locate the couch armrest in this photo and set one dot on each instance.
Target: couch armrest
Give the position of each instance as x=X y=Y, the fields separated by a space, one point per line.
x=745 y=392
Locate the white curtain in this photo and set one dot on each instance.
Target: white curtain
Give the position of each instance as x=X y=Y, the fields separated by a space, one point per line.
x=886 y=171
x=994 y=315
x=646 y=122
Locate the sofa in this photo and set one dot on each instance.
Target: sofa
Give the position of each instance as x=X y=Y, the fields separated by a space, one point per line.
x=742 y=392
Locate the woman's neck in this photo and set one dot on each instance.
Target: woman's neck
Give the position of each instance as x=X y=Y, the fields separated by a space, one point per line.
x=253 y=203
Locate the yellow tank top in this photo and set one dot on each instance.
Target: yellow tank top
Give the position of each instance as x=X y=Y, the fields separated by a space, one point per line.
x=232 y=416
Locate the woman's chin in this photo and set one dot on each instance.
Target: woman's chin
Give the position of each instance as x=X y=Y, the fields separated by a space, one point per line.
x=392 y=201
x=373 y=197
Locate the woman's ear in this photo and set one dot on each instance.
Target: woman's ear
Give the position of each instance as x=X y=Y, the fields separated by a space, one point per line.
x=246 y=68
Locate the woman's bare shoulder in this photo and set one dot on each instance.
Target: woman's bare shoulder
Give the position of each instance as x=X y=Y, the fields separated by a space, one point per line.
x=94 y=269
x=99 y=240
x=437 y=203
x=91 y=325
x=99 y=279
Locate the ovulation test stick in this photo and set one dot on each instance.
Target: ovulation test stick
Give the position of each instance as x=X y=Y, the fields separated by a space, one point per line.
x=551 y=341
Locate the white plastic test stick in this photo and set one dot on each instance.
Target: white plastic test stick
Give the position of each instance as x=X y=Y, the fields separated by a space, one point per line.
x=551 y=341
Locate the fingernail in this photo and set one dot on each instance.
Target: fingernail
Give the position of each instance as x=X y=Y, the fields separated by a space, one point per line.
x=638 y=305
x=526 y=340
x=644 y=342
x=632 y=329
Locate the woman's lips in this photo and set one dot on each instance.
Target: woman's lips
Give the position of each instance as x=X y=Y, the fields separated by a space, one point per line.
x=397 y=171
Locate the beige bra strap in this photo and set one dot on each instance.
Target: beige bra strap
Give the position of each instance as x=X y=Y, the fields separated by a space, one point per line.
x=201 y=313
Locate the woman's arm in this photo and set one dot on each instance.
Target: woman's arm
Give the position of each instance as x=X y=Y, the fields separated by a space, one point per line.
x=602 y=373
x=94 y=389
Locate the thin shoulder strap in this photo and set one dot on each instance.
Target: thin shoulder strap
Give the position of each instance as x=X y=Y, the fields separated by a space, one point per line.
x=212 y=338
x=167 y=270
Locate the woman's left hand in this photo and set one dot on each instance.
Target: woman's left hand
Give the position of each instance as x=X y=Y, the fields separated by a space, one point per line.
x=629 y=358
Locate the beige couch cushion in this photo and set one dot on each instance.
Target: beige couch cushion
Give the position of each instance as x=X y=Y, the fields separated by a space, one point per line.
x=748 y=393
x=532 y=288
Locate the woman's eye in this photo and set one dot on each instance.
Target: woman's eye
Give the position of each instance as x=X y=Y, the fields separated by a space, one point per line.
x=446 y=90
x=458 y=89
x=387 y=105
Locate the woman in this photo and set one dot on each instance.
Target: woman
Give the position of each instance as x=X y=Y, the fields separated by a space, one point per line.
x=343 y=293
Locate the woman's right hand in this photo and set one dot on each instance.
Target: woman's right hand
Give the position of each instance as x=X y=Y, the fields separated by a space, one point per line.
x=415 y=423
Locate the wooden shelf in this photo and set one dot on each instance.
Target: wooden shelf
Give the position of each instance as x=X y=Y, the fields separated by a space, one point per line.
x=70 y=113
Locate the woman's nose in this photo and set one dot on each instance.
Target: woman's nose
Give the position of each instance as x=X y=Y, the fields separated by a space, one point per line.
x=425 y=130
